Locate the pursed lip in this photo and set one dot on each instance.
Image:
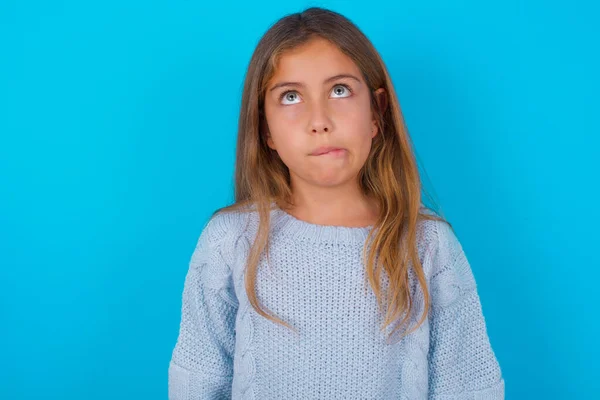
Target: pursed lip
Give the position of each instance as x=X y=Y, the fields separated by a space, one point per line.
x=324 y=149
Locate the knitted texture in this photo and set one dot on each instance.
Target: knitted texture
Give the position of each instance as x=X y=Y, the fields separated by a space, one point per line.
x=315 y=281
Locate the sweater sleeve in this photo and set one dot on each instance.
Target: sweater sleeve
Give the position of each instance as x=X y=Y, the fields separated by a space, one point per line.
x=201 y=365
x=462 y=363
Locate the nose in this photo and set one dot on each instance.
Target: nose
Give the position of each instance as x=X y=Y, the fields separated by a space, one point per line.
x=319 y=121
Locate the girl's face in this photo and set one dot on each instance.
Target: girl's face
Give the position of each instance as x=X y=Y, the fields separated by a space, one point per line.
x=316 y=98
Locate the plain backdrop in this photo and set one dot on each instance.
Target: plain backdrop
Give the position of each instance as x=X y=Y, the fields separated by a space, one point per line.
x=117 y=140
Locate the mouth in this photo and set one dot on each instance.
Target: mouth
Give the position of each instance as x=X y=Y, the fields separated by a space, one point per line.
x=331 y=151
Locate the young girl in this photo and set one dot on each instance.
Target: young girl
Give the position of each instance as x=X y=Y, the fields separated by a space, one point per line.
x=328 y=278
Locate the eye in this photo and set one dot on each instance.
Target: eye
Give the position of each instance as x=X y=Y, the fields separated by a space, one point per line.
x=342 y=90
x=290 y=96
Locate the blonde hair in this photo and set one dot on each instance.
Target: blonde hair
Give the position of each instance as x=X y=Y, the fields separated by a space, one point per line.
x=390 y=174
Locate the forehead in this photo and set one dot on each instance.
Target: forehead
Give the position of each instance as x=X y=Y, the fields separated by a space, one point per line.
x=313 y=62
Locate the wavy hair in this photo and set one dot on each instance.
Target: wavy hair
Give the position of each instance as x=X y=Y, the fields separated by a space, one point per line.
x=389 y=175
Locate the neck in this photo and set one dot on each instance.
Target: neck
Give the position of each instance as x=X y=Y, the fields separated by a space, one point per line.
x=341 y=211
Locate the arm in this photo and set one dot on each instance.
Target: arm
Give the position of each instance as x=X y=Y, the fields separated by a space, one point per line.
x=201 y=366
x=462 y=363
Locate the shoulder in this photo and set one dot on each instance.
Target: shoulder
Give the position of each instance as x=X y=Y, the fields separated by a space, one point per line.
x=223 y=227
x=445 y=263
x=212 y=259
x=218 y=238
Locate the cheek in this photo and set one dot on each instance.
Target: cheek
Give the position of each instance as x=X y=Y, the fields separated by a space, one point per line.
x=353 y=119
x=292 y=116
x=287 y=139
x=281 y=119
x=286 y=125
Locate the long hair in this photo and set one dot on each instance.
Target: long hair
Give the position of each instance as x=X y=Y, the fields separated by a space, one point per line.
x=390 y=174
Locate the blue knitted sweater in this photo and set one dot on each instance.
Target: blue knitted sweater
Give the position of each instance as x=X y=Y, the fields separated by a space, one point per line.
x=315 y=281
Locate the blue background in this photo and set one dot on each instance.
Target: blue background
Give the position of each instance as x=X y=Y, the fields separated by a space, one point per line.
x=118 y=125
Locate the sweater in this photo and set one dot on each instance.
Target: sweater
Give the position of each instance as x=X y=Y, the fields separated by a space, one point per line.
x=315 y=281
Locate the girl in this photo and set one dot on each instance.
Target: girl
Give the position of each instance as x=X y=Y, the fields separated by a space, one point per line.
x=328 y=278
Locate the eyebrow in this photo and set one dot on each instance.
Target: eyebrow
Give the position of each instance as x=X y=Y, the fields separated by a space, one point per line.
x=300 y=84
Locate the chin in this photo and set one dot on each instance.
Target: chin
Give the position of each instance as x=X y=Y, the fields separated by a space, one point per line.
x=332 y=180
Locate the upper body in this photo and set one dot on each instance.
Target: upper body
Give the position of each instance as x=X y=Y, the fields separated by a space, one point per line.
x=321 y=133
x=315 y=282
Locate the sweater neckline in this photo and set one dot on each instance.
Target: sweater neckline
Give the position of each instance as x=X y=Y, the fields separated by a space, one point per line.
x=297 y=229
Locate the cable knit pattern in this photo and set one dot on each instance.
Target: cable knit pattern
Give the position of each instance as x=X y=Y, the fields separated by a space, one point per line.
x=315 y=281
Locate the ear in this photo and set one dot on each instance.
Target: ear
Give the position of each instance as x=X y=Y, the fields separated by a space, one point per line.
x=382 y=101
